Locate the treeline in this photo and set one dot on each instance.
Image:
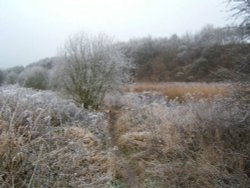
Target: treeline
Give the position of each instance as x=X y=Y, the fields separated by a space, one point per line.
x=212 y=54
x=35 y=75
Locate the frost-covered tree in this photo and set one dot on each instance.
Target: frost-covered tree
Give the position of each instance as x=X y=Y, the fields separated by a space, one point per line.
x=34 y=77
x=17 y=69
x=56 y=75
x=93 y=65
x=241 y=11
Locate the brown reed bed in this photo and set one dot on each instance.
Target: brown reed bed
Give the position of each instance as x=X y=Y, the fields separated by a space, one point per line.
x=180 y=90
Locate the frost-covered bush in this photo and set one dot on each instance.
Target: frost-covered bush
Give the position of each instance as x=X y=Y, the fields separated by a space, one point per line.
x=11 y=74
x=200 y=66
x=92 y=66
x=56 y=76
x=46 y=141
x=11 y=78
x=34 y=77
x=17 y=69
x=58 y=110
x=1 y=77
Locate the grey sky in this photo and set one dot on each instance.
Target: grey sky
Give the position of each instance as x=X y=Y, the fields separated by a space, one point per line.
x=34 y=29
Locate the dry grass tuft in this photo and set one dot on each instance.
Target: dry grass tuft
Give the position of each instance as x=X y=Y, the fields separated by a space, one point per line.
x=135 y=141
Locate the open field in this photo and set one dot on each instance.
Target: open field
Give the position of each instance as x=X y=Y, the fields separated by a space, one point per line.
x=141 y=140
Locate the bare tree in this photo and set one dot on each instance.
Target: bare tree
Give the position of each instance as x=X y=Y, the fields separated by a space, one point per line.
x=241 y=11
x=93 y=66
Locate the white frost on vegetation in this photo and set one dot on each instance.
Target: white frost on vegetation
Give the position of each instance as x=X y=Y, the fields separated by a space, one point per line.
x=62 y=110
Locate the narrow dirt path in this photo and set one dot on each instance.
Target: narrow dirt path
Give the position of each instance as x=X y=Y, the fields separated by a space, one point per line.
x=128 y=174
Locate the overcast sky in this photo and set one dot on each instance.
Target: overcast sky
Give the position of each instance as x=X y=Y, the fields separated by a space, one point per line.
x=34 y=29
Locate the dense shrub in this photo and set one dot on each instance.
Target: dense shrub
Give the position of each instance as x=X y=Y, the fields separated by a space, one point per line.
x=11 y=78
x=200 y=67
x=46 y=141
x=16 y=69
x=2 y=77
x=34 y=77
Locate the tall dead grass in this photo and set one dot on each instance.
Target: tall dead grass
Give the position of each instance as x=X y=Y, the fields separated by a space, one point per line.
x=146 y=142
x=41 y=146
x=180 y=90
x=199 y=144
